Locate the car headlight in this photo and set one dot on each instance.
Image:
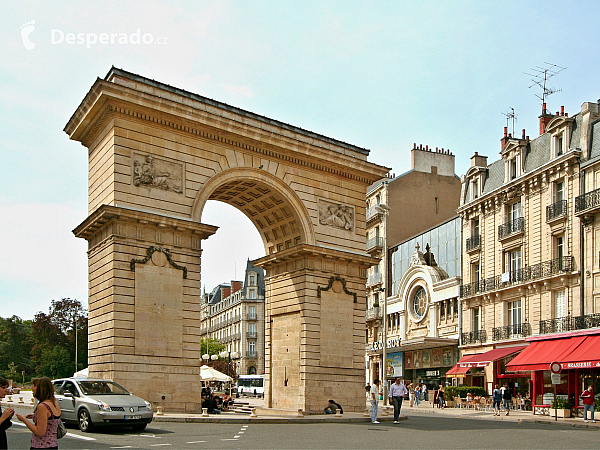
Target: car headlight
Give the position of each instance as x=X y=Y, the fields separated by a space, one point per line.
x=148 y=404
x=103 y=407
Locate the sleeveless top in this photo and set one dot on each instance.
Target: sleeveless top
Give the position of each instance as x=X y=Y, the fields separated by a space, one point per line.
x=49 y=439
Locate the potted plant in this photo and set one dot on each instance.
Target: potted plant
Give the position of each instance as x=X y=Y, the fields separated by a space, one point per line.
x=562 y=408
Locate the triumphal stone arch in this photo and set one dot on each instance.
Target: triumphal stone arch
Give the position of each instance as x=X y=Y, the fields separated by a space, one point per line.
x=157 y=154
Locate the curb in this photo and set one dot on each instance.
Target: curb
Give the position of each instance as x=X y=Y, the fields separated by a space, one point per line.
x=277 y=420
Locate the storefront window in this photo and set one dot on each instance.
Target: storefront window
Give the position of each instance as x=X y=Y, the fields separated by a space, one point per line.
x=587 y=379
x=545 y=388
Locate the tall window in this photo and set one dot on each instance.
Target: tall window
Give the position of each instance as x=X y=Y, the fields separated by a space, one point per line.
x=252 y=311
x=513 y=168
x=252 y=328
x=474 y=189
x=514 y=313
x=512 y=264
x=475 y=272
x=252 y=347
x=475 y=227
x=560 y=305
x=559 y=246
x=252 y=279
x=476 y=319
x=514 y=211
x=559 y=191
x=252 y=294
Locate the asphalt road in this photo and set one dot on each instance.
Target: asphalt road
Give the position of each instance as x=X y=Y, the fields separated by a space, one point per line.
x=418 y=432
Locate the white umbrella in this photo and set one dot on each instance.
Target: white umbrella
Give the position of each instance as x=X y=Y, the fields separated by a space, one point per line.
x=207 y=373
x=83 y=373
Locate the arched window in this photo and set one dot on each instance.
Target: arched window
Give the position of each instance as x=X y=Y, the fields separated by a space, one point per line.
x=252 y=370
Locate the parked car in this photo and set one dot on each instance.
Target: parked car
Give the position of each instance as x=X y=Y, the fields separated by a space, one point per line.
x=91 y=402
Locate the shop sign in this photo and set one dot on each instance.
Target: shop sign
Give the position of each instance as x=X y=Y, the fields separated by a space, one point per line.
x=555 y=377
x=471 y=365
x=432 y=373
x=394 y=364
x=582 y=364
x=391 y=343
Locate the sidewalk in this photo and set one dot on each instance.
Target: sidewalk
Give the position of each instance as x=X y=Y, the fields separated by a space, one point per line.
x=515 y=415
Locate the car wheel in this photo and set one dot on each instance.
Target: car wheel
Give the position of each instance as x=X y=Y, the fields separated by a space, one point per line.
x=139 y=427
x=85 y=421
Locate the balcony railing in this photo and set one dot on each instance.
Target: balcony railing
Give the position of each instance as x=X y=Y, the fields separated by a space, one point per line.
x=374 y=313
x=374 y=243
x=251 y=334
x=556 y=210
x=473 y=242
x=251 y=316
x=512 y=227
x=569 y=323
x=374 y=279
x=372 y=212
x=587 y=201
x=519 y=330
x=529 y=273
x=473 y=337
x=251 y=354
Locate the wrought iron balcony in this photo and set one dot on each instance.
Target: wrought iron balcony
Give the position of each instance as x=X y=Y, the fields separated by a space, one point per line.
x=251 y=354
x=587 y=202
x=251 y=316
x=473 y=337
x=372 y=213
x=511 y=227
x=251 y=334
x=473 y=243
x=519 y=330
x=374 y=279
x=529 y=273
x=569 y=323
x=374 y=313
x=556 y=210
x=374 y=243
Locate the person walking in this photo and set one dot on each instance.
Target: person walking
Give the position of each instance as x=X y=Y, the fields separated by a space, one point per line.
x=397 y=393
x=411 y=394
x=5 y=415
x=496 y=400
x=418 y=395
x=374 y=401
x=588 y=403
x=424 y=392
x=441 y=399
x=46 y=415
x=506 y=398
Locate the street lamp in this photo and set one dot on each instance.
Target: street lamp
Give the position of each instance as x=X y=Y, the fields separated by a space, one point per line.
x=228 y=355
x=384 y=210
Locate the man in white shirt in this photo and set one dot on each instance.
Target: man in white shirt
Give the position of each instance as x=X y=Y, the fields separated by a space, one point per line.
x=374 y=401
x=397 y=393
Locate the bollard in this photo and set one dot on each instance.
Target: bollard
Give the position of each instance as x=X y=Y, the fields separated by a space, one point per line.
x=159 y=411
x=338 y=413
x=21 y=400
x=300 y=413
x=9 y=398
x=253 y=412
x=204 y=412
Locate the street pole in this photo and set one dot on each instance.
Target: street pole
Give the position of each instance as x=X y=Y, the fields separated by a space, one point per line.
x=384 y=209
x=75 y=327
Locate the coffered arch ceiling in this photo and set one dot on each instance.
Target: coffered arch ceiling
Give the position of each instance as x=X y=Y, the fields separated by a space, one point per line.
x=272 y=206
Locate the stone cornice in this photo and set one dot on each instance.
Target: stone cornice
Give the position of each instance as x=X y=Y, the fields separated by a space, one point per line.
x=107 y=99
x=304 y=251
x=107 y=213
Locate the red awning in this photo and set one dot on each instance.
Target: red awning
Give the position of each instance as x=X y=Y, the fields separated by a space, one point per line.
x=539 y=354
x=587 y=354
x=457 y=371
x=484 y=359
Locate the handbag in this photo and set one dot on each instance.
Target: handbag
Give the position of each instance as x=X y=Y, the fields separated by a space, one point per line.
x=61 y=430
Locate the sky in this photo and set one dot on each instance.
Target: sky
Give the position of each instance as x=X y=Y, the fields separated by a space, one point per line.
x=378 y=74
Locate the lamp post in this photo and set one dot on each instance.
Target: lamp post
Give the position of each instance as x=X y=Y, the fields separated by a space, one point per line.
x=385 y=210
x=228 y=355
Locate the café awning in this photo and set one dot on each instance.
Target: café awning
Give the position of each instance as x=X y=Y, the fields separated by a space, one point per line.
x=468 y=362
x=572 y=350
x=457 y=372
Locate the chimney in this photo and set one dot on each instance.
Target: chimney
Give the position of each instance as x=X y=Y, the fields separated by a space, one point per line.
x=544 y=119
x=504 y=140
x=523 y=134
x=235 y=286
x=478 y=161
x=562 y=110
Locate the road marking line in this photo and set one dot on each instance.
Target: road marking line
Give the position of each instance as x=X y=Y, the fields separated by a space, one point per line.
x=194 y=442
x=241 y=432
x=236 y=437
x=229 y=439
x=159 y=445
x=125 y=446
x=245 y=426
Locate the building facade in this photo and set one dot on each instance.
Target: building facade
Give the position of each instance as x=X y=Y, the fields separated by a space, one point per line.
x=234 y=315
x=430 y=191
x=526 y=221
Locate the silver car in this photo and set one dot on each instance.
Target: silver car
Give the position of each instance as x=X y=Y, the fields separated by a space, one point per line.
x=91 y=402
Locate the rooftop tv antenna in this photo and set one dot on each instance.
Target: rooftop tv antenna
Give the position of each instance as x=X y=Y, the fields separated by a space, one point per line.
x=541 y=75
x=511 y=116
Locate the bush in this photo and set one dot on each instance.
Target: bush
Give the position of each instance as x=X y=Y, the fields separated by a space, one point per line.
x=560 y=404
x=462 y=391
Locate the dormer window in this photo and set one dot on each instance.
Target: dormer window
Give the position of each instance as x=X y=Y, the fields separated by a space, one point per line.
x=558 y=144
x=474 y=189
x=512 y=168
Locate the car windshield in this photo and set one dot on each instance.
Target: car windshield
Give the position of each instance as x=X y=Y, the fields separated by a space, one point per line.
x=102 y=388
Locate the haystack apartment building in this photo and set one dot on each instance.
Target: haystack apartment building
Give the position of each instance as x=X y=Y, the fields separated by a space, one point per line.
x=234 y=315
x=526 y=218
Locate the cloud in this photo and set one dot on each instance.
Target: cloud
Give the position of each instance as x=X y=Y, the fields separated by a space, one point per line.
x=238 y=91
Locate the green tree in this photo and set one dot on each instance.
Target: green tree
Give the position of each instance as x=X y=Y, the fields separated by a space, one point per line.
x=211 y=347
x=12 y=373
x=55 y=362
x=16 y=343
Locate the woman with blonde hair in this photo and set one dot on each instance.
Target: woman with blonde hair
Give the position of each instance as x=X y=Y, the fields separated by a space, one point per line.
x=46 y=415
